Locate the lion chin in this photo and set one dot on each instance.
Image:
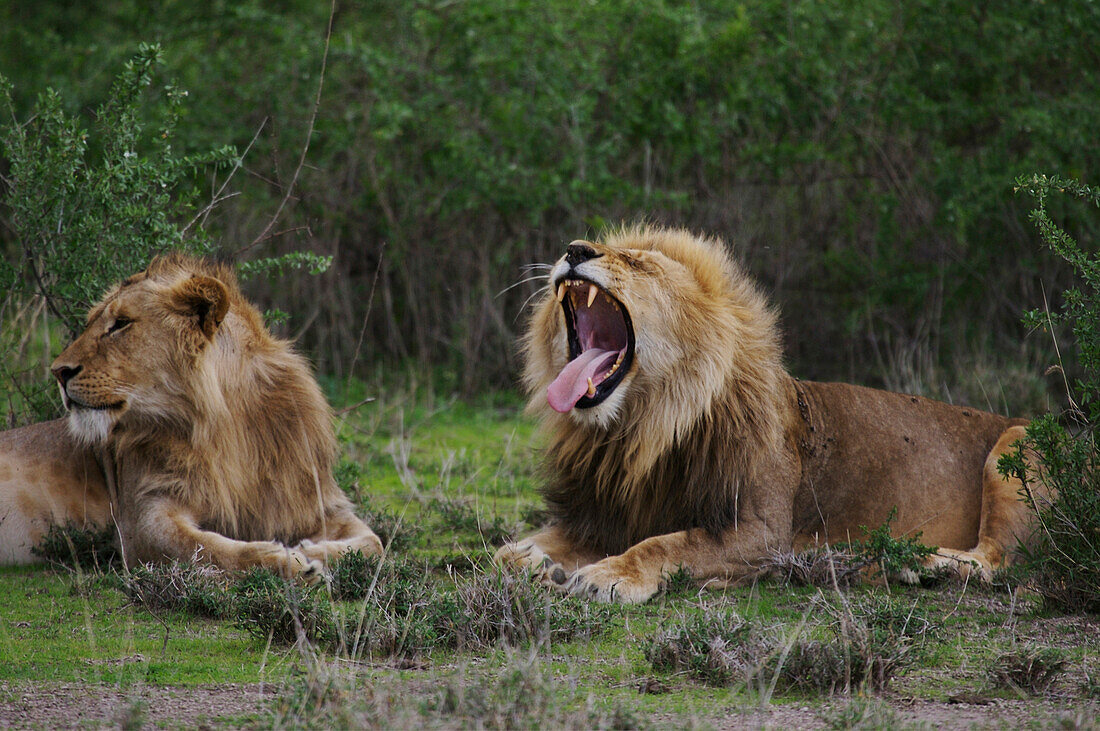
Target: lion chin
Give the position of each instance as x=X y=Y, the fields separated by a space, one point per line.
x=191 y=429
x=677 y=440
x=91 y=427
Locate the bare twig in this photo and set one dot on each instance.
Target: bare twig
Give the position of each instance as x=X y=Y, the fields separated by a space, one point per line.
x=366 y=317
x=305 y=146
x=218 y=198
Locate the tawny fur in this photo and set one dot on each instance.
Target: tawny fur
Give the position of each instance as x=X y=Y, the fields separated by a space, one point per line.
x=708 y=455
x=214 y=439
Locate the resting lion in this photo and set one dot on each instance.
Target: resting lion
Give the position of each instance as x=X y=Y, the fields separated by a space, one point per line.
x=677 y=439
x=191 y=430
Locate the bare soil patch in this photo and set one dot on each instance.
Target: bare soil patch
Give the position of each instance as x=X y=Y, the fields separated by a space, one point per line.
x=77 y=705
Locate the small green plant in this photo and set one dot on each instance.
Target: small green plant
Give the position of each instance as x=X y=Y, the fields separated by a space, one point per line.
x=1029 y=669
x=1058 y=464
x=894 y=556
x=73 y=546
x=270 y=607
x=716 y=647
x=199 y=590
x=396 y=533
x=679 y=583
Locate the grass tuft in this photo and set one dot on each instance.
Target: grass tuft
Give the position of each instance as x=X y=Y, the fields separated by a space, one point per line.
x=1029 y=669
x=460 y=517
x=856 y=645
x=822 y=567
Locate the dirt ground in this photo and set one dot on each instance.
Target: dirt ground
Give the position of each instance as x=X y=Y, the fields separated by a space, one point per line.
x=89 y=706
x=235 y=705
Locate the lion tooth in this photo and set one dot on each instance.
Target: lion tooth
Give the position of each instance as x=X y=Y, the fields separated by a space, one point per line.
x=591 y=389
x=561 y=291
x=592 y=292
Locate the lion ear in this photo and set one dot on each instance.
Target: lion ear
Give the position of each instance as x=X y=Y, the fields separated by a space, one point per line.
x=204 y=298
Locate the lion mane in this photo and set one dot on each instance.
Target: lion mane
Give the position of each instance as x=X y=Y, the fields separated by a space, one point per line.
x=677 y=439
x=664 y=459
x=213 y=439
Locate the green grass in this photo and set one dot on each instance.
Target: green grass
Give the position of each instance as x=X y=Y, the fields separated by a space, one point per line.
x=50 y=631
x=456 y=473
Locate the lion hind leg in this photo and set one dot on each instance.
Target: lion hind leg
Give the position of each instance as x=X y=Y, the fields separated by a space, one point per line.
x=1006 y=518
x=343 y=532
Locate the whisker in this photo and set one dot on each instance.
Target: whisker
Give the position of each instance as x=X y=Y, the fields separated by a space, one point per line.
x=526 y=302
x=522 y=281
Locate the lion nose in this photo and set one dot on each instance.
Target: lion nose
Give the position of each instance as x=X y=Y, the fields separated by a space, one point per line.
x=579 y=251
x=65 y=373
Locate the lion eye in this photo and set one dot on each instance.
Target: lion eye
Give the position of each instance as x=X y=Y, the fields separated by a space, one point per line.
x=120 y=323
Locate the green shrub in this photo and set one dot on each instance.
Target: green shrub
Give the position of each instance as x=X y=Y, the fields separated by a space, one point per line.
x=87 y=209
x=856 y=153
x=78 y=547
x=268 y=606
x=1063 y=556
x=199 y=590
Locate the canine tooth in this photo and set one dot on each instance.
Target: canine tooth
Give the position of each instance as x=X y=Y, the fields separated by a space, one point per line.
x=561 y=291
x=592 y=292
x=591 y=389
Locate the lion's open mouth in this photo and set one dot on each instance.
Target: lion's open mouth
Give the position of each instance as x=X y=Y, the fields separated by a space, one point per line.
x=601 y=346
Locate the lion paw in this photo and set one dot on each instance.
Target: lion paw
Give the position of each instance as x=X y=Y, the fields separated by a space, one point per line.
x=526 y=555
x=608 y=581
x=966 y=564
x=331 y=550
x=300 y=566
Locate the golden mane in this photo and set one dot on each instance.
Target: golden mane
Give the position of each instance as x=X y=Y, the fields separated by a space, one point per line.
x=725 y=394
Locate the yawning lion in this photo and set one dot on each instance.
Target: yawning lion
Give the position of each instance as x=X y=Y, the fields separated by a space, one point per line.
x=678 y=439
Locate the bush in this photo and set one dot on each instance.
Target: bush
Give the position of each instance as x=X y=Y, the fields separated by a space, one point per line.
x=855 y=152
x=1063 y=557
x=74 y=546
x=271 y=608
x=846 y=564
x=195 y=589
x=894 y=556
x=88 y=209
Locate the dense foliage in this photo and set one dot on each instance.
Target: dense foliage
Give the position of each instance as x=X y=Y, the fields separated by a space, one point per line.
x=859 y=154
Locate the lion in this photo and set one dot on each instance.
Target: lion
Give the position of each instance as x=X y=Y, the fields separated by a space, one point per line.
x=191 y=431
x=677 y=439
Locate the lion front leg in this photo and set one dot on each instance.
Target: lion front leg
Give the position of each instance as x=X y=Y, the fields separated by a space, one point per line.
x=549 y=554
x=167 y=530
x=637 y=574
x=341 y=533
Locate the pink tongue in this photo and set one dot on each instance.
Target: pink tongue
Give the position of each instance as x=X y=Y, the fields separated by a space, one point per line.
x=572 y=382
